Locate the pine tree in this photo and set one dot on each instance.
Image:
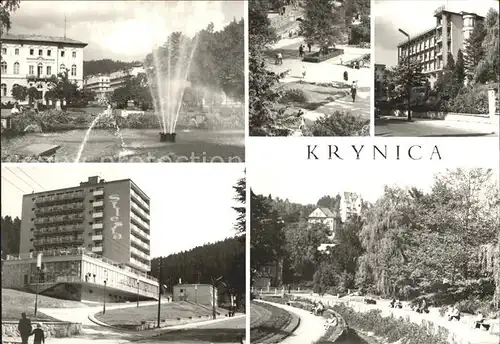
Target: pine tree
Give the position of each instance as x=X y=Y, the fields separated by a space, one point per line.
x=474 y=51
x=451 y=62
x=460 y=68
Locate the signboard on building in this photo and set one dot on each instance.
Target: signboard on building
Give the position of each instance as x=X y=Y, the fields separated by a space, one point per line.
x=116 y=223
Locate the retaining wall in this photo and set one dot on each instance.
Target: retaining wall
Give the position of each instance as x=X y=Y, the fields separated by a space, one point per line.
x=51 y=329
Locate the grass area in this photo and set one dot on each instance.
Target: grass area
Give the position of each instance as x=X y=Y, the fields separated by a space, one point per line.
x=270 y=323
x=14 y=302
x=314 y=96
x=169 y=311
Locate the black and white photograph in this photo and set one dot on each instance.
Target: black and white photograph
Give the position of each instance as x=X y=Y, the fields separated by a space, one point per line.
x=310 y=71
x=96 y=254
x=437 y=68
x=122 y=81
x=385 y=254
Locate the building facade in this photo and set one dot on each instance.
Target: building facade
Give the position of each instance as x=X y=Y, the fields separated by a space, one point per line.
x=32 y=60
x=104 y=84
x=95 y=232
x=327 y=217
x=198 y=293
x=432 y=46
x=350 y=205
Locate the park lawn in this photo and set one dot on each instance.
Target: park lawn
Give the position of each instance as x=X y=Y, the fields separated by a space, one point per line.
x=169 y=311
x=270 y=325
x=316 y=96
x=14 y=302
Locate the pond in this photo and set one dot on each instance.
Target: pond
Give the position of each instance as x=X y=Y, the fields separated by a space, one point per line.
x=139 y=145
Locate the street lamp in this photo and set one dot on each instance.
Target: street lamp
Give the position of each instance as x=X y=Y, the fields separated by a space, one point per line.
x=138 y=292
x=38 y=269
x=104 y=293
x=409 y=75
x=214 y=284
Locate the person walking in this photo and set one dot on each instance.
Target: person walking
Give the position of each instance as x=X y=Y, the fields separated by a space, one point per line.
x=24 y=328
x=301 y=50
x=353 y=91
x=303 y=72
x=280 y=59
x=346 y=76
x=309 y=46
x=39 y=335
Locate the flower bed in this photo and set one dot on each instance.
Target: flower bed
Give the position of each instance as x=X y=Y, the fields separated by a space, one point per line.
x=319 y=57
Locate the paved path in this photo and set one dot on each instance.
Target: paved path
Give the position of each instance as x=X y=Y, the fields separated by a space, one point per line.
x=201 y=332
x=392 y=126
x=311 y=327
x=462 y=331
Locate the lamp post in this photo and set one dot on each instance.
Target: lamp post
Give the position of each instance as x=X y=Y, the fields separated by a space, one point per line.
x=38 y=268
x=408 y=86
x=214 y=284
x=104 y=293
x=159 y=291
x=138 y=292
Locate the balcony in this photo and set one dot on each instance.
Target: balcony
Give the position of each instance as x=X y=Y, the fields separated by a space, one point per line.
x=138 y=253
x=58 y=230
x=139 y=232
x=139 y=199
x=97 y=226
x=74 y=218
x=98 y=193
x=35 y=77
x=142 y=266
x=65 y=208
x=58 y=241
x=140 y=212
x=98 y=204
x=140 y=222
x=139 y=243
x=97 y=249
x=98 y=215
x=97 y=237
x=59 y=198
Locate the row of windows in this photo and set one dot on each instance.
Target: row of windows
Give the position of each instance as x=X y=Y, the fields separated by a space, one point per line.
x=40 y=52
x=62 y=68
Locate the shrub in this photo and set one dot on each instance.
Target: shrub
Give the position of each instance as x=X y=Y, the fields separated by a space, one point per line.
x=339 y=124
x=319 y=57
x=470 y=100
x=294 y=95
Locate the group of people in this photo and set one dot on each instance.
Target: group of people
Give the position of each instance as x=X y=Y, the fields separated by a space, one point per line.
x=26 y=331
x=302 y=49
x=318 y=309
x=395 y=304
x=16 y=109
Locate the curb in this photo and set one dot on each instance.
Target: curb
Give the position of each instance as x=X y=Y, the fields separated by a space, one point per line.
x=291 y=330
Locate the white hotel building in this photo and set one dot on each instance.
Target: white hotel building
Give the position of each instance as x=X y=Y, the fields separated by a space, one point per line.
x=31 y=60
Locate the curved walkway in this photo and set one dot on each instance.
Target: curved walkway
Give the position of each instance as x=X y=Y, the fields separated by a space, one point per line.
x=461 y=332
x=311 y=327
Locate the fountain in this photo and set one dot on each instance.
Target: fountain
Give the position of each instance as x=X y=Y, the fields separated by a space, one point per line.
x=167 y=73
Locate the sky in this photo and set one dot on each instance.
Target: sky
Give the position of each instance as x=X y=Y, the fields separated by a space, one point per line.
x=413 y=17
x=307 y=184
x=191 y=204
x=122 y=30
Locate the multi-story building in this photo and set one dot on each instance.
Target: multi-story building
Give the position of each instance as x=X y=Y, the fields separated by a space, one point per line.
x=327 y=217
x=432 y=46
x=95 y=232
x=202 y=294
x=104 y=84
x=350 y=204
x=31 y=60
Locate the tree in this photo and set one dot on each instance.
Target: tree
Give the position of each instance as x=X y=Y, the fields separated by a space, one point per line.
x=19 y=92
x=460 y=67
x=329 y=202
x=241 y=193
x=63 y=89
x=11 y=231
x=488 y=68
x=474 y=51
x=323 y=24
x=33 y=94
x=6 y=9
x=360 y=33
x=406 y=75
x=451 y=62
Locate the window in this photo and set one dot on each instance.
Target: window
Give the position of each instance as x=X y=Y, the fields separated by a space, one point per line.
x=73 y=70
x=4 y=51
x=39 y=86
x=32 y=51
x=16 y=68
x=4 y=67
x=16 y=52
x=62 y=69
x=49 y=52
x=31 y=70
x=4 y=90
x=40 y=52
x=74 y=54
x=49 y=70
x=62 y=53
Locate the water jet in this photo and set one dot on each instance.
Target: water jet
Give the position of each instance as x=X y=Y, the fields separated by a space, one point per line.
x=167 y=137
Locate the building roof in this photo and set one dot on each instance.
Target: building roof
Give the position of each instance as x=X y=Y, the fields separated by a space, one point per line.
x=326 y=211
x=41 y=39
x=417 y=36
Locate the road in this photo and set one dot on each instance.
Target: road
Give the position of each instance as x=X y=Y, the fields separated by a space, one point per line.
x=223 y=330
x=429 y=128
x=361 y=107
x=311 y=327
